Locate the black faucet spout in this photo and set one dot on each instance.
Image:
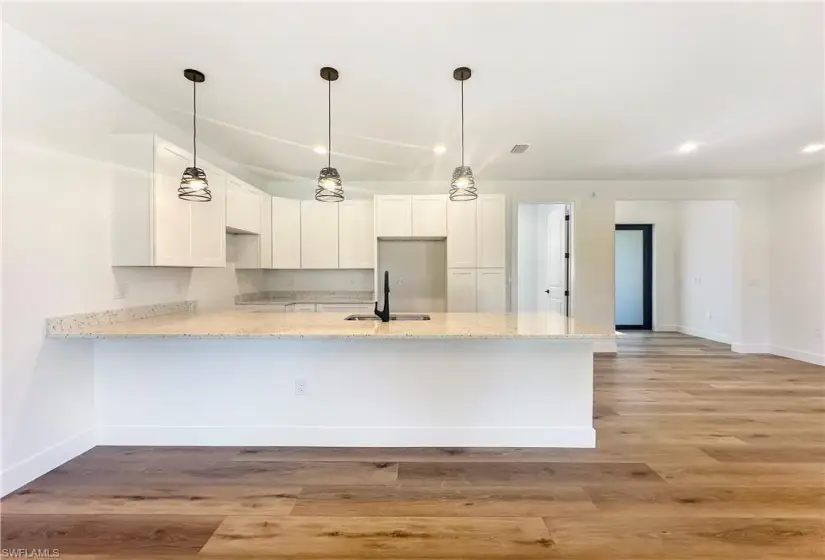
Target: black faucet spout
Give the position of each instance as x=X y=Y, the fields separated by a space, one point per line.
x=384 y=314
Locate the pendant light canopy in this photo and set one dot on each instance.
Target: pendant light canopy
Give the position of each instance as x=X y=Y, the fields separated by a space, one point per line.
x=194 y=186
x=330 y=187
x=463 y=185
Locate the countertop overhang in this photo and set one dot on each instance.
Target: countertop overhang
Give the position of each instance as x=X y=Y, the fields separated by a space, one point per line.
x=240 y=323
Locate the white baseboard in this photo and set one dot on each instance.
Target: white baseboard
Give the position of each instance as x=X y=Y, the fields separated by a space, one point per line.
x=25 y=471
x=741 y=348
x=666 y=328
x=801 y=355
x=348 y=436
x=710 y=335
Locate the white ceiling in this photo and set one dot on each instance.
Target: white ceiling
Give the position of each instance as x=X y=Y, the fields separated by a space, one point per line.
x=604 y=90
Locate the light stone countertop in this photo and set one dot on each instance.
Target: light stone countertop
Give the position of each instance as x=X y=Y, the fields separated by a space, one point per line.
x=257 y=323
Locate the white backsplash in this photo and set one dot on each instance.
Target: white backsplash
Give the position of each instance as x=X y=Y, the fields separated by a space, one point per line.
x=319 y=280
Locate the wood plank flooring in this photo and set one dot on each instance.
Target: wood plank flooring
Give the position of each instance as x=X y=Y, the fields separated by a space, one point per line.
x=702 y=454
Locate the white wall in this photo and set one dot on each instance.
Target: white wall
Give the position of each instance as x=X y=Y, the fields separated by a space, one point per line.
x=349 y=280
x=57 y=181
x=664 y=215
x=707 y=267
x=526 y=273
x=797 y=265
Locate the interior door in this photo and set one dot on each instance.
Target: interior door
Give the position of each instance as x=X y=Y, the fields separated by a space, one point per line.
x=634 y=276
x=553 y=260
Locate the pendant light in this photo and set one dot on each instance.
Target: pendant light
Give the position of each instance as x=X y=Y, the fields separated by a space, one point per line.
x=330 y=187
x=463 y=186
x=194 y=186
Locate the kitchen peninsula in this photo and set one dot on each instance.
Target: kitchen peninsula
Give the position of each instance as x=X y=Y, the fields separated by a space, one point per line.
x=248 y=376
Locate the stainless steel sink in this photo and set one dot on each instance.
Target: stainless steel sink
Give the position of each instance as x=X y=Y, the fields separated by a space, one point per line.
x=393 y=317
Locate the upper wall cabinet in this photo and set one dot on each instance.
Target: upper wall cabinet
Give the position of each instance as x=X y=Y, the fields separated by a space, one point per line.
x=319 y=234
x=411 y=216
x=356 y=234
x=286 y=233
x=491 y=210
x=255 y=251
x=393 y=216
x=151 y=226
x=461 y=234
x=243 y=207
x=429 y=215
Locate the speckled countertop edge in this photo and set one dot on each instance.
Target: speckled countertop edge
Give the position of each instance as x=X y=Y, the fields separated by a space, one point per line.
x=70 y=325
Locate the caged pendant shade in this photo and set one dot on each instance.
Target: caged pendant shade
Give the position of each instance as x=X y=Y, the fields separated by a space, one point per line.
x=194 y=186
x=463 y=184
x=329 y=188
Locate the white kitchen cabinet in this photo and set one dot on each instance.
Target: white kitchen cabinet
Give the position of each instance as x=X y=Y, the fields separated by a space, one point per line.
x=255 y=251
x=319 y=234
x=286 y=233
x=461 y=234
x=393 y=216
x=491 y=292
x=265 y=238
x=208 y=243
x=243 y=207
x=461 y=290
x=491 y=247
x=356 y=234
x=151 y=226
x=429 y=215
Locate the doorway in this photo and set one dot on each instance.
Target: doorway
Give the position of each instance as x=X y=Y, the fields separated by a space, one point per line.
x=634 y=277
x=544 y=258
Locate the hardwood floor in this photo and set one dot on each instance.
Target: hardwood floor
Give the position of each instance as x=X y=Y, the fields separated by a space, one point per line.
x=703 y=454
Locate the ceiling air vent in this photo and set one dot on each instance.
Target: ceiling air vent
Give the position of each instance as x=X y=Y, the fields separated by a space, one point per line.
x=519 y=148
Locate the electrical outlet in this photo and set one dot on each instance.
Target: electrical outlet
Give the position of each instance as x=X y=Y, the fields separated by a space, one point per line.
x=709 y=315
x=818 y=335
x=300 y=386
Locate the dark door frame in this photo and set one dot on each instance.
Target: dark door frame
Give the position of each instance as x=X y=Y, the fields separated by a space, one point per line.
x=647 y=275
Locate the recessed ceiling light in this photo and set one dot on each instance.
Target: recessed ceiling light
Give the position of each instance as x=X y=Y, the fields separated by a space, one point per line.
x=440 y=149
x=811 y=148
x=688 y=147
x=319 y=150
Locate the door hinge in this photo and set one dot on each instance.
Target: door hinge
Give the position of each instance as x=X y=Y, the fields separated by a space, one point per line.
x=567 y=217
x=567 y=255
x=566 y=293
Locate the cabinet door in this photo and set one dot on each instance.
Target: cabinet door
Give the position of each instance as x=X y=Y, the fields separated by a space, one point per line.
x=172 y=216
x=429 y=216
x=209 y=222
x=461 y=290
x=356 y=234
x=243 y=212
x=491 y=231
x=461 y=234
x=393 y=216
x=492 y=290
x=319 y=234
x=286 y=233
x=265 y=238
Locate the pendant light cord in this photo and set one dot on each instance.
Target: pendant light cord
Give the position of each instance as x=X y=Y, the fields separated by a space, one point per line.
x=329 y=123
x=194 y=124
x=462 y=123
